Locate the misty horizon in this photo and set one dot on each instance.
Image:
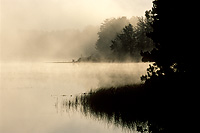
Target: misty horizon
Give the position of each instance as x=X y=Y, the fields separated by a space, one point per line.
x=36 y=30
x=56 y=45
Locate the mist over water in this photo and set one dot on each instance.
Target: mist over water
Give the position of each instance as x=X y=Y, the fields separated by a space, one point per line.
x=62 y=75
x=29 y=92
x=34 y=32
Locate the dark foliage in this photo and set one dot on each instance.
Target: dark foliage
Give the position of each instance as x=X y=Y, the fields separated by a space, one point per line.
x=124 y=44
x=170 y=77
x=132 y=40
x=108 y=31
x=171 y=53
x=121 y=40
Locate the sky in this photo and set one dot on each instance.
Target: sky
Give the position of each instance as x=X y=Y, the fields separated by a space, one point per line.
x=47 y=16
x=63 y=14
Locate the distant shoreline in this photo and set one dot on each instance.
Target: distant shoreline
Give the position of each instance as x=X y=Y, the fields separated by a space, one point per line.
x=94 y=62
x=59 y=62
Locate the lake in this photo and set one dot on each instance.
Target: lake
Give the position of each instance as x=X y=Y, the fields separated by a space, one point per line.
x=32 y=94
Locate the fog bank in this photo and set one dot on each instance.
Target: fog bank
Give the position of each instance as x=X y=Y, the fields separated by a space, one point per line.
x=34 y=30
x=38 y=45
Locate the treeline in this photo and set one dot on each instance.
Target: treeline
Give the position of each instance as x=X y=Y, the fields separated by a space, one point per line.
x=121 y=40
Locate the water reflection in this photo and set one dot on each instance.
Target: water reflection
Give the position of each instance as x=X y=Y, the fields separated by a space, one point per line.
x=121 y=112
x=33 y=94
x=63 y=103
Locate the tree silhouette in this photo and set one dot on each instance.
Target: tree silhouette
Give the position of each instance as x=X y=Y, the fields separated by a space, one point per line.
x=171 y=49
x=132 y=41
x=123 y=45
x=108 y=31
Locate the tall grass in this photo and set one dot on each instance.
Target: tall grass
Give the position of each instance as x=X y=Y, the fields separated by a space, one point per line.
x=127 y=106
x=161 y=104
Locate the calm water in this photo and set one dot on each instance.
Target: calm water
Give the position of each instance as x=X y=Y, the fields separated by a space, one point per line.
x=31 y=95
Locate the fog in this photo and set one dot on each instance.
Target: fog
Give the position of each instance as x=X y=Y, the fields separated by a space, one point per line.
x=37 y=45
x=28 y=92
x=34 y=30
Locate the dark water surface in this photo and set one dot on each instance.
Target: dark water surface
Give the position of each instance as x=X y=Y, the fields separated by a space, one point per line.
x=32 y=95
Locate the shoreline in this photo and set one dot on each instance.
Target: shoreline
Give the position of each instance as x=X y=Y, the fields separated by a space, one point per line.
x=97 y=62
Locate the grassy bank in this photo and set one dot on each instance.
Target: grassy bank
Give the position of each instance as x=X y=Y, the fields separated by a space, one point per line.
x=160 y=106
x=127 y=106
